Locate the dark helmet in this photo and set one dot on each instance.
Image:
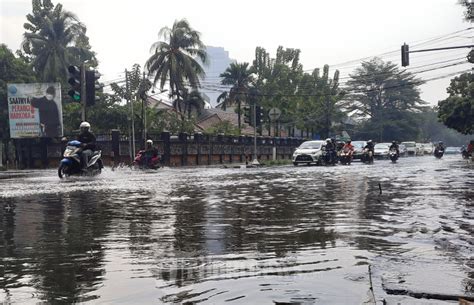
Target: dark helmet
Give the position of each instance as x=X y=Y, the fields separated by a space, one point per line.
x=394 y=142
x=348 y=141
x=440 y=143
x=51 y=90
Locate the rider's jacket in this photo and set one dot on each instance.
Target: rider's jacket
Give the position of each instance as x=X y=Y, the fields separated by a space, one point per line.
x=87 y=138
x=348 y=148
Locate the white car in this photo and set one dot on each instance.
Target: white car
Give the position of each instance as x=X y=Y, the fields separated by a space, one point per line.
x=308 y=152
x=411 y=148
x=428 y=148
x=420 y=149
x=381 y=150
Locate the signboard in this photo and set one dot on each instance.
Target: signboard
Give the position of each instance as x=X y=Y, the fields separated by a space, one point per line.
x=274 y=114
x=35 y=110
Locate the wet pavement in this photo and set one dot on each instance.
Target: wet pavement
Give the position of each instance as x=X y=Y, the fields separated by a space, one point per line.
x=280 y=235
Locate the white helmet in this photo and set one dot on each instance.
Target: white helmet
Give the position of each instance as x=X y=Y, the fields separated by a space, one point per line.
x=85 y=125
x=149 y=142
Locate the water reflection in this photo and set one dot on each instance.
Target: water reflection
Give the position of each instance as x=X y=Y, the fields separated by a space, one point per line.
x=213 y=235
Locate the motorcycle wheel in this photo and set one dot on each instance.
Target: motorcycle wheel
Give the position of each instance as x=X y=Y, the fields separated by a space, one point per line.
x=62 y=171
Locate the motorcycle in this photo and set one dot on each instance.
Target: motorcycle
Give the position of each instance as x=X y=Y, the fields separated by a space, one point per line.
x=71 y=163
x=367 y=156
x=439 y=152
x=345 y=157
x=393 y=155
x=141 y=161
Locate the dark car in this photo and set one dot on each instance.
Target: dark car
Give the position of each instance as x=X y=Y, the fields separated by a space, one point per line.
x=358 y=148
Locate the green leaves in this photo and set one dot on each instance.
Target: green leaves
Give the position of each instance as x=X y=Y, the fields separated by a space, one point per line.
x=457 y=111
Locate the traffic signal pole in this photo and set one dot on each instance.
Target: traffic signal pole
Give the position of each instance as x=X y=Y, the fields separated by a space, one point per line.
x=254 y=118
x=83 y=92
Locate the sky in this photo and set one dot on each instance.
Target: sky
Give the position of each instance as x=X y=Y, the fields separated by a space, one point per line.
x=338 y=33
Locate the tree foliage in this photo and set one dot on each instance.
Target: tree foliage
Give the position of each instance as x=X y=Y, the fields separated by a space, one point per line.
x=457 y=111
x=173 y=60
x=240 y=77
x=12 y=70
x=383 y=98
x=53 y=40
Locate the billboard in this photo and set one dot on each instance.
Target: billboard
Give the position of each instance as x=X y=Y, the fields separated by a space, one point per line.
x=35 y=110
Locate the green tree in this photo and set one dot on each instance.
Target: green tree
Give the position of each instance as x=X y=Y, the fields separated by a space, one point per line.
x=173 y=60
x=55 y=39
x=134 y=91
x=240 y=77
x=193 y=102
x=12 y=70
x=319 y=105
x=277 y=82
x=383 y=97
x=457 y=111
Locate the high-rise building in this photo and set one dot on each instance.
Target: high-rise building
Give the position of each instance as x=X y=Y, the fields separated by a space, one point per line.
x=218 y=61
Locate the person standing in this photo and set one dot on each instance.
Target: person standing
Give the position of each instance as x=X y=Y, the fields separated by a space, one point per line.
x=48 y=113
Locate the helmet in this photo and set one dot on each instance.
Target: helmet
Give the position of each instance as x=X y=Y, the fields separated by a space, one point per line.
x=348 y=141
x=85 y=125
x=149 y=142
x=394 y=142
x=440 y=142
x=369 y=141
x=328 y=140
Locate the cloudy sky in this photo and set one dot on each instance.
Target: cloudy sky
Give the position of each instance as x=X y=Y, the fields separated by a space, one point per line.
x=338 y=33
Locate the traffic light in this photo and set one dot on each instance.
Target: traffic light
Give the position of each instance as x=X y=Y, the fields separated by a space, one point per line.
x=75 y=82
x=405 y=55
x=248 y=116
x=92 y=85
x=259 y=115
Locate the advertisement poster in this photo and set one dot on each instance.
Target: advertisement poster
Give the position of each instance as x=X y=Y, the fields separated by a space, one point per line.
x=35 y=110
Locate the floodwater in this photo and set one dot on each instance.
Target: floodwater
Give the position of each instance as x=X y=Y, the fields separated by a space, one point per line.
x=280 y=235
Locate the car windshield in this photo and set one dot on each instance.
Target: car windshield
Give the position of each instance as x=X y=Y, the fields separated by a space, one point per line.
x=382 y=145
x=310 y=145
x=408 y=144
x=358 y=144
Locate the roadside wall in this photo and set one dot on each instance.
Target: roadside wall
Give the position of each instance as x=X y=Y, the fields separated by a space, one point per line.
x=175 y=150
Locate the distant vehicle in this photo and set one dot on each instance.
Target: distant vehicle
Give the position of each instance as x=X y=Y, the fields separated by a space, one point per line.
x=452 y=150
x=403 y=150
x=428 y=148
x=358 y=148
x=420 y=149
x=381 y=150
x=308 y=152
x=411 y=148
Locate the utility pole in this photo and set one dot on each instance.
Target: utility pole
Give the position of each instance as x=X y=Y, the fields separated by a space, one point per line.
x=144 y=105
x=254 y=119
x=83 y=91
x=127 y=89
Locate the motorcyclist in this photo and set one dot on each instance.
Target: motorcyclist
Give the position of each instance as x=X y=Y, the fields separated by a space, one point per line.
x=330 y=149
x=440 y=146
x=88 y=145
x=370 y=146
x=149 y=153
x=348 y=148
x=470 y=147
x=395 y=147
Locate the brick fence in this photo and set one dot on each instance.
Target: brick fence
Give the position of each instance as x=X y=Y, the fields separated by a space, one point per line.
x=180 y=150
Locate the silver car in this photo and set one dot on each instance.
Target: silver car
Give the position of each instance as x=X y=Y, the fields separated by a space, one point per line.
x=308 y=152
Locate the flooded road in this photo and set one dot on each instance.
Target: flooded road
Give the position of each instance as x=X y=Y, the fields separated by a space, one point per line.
x=288 y=235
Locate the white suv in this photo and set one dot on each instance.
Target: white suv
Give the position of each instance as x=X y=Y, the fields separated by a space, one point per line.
x=308 y=152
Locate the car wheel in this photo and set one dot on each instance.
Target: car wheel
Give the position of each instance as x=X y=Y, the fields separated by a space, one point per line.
x=295 y=164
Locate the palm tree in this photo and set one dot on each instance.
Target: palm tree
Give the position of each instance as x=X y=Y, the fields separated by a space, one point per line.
x=193 y=100
x=56 y=40
x=240 y=77
x=174 y=60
